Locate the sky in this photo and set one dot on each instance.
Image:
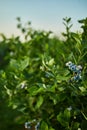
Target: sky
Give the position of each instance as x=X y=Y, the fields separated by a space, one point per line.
x=43 y=14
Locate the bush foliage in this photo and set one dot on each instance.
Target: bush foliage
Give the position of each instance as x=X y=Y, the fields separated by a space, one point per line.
x=36 y=85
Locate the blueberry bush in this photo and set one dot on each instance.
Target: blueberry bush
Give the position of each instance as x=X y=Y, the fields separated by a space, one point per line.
x=43 y=80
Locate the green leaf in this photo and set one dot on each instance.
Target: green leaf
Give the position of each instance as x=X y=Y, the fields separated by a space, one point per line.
x=82 y=89
x=61 y=120
x=68 y=20
x=66 y=72
x=75 y=126
x=39 y=102
x=24 y=63
x=51 y=128
x=84 y=115
x=64 y=118
x=8 y=91
x=61 y=88
x=44 y=126
x=62 y=78
x=67 y=115
x=51 y=62
x=18 y=19
x=34 y=90
x=19 y=65
x=14 y=64
x=49 y=74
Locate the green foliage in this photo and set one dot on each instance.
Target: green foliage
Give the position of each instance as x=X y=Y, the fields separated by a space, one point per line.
x=84 y=27
x=36 y=84
x=68 y=25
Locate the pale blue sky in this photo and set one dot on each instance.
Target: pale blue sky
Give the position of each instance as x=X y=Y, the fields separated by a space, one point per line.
x=44 y=14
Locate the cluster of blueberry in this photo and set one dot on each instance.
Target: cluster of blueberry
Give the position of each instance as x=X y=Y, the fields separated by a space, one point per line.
x=34 y=123
x=76 y=71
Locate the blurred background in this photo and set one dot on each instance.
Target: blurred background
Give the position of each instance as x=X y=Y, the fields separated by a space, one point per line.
x=44 y=14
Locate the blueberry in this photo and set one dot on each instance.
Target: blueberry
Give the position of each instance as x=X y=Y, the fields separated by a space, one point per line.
x=73 y=68
x=27 y=125
x=37 y=126
x=69 y=63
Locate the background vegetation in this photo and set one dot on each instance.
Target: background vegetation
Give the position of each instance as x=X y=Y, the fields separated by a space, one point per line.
x=36 y=86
